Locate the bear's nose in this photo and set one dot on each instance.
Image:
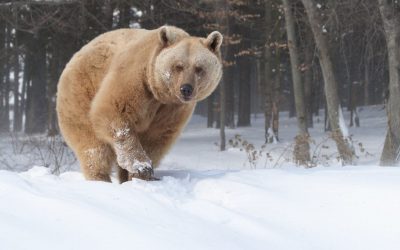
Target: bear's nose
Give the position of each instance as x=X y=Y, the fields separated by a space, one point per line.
x=186 y=90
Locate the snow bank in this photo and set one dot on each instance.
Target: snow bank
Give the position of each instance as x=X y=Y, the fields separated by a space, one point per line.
x=206 y=199
x=320 y=208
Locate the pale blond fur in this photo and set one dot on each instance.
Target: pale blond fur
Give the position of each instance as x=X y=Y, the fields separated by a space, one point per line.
x=119 y=100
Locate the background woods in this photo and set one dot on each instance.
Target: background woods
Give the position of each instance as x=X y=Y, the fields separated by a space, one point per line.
x=278 y=55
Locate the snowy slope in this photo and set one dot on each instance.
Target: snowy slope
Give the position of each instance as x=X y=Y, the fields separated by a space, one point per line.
x=320 y=208
x=207 y=199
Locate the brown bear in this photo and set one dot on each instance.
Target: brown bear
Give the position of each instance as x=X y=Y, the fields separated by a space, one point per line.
x=126 y=96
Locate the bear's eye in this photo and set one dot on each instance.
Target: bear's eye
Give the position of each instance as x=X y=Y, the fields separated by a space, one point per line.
x=179 y=67
x=198 y=70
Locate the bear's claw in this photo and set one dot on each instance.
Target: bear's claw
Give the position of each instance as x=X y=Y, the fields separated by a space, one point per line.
x=145 y=173
x=142 y=170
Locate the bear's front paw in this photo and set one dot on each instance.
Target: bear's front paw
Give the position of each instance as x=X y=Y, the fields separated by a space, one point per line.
x=147 y=175
x=142 y=170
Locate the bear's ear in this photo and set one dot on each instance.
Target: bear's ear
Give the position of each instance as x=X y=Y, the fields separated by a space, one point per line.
x=163 y=35
x=214 y=41
x=167 y=36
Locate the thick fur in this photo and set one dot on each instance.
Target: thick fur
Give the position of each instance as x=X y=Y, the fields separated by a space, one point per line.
x=119 y=100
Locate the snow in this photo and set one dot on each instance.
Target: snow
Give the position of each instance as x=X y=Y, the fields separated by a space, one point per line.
x=272 y=134
x=207 y=199
x=320 y=208
x=342 y=124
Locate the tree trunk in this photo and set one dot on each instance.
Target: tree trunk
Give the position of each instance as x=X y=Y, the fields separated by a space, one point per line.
x=266 y=78
x=327 y=125
x=367 y=77
x=302 y=148
x=230 y=74
x=17 y=121
x=217 y=109
x=266 y=75
x=2 y=69
x=223 y=23
x=292 y=104
x=308 y=78
x=244 y=92
x=276 y=95
x=222 y=116
x=210 y=111
x=25 y=95
x=356 y=92
x=229 y=79
x=318 y=97
x=124 y=14
x=346 y=152
x=107 y=9
x=54 y=73
x=5 y=111
x=391 y=23
x=36 y=117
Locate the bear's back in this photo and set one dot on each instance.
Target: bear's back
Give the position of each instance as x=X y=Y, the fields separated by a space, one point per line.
x=84 y=73
x=94 y=58
x=91 y=63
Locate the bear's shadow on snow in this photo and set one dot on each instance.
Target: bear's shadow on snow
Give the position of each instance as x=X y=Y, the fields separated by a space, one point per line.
x=192 y=174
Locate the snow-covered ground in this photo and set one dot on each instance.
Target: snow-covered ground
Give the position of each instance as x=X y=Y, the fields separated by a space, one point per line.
x=208 y=199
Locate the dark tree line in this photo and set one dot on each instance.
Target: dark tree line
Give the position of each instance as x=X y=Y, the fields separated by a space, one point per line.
x=278 y=55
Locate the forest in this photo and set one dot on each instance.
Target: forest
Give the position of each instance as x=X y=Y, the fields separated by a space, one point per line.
x=291 y=151
x=304 y=57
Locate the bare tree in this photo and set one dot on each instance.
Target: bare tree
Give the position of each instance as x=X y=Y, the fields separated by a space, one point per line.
x=302 y=147
x=270 y=70
x=266 y=76
x=346 y=151
x=224 y=27
x=244 y=111
x=307 y=69
x=390 y=11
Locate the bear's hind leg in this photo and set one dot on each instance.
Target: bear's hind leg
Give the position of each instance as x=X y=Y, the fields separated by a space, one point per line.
x=123 y=175
x=96 y=162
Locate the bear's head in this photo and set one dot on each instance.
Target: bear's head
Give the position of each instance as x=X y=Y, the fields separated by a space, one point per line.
x=185 y=69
